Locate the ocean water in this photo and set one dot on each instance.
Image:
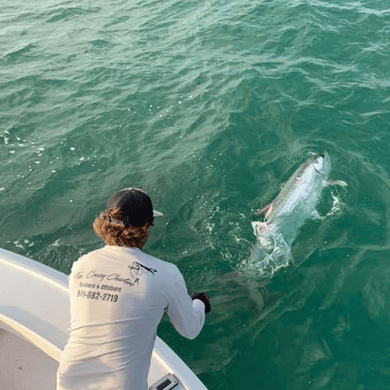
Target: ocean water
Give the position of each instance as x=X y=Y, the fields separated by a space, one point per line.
x=210 y=106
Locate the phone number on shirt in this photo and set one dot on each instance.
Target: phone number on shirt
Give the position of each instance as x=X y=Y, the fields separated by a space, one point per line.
x=97 y=295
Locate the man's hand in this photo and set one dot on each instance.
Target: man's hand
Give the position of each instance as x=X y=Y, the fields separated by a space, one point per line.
x=204 y=298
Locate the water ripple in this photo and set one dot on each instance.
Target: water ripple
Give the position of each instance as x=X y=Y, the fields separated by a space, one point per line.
x=210 y=106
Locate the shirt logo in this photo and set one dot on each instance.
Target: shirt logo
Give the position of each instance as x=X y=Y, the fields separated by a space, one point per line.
x=138 y=269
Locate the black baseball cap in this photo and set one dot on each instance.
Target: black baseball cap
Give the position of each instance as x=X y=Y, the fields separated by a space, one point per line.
x=135 y=205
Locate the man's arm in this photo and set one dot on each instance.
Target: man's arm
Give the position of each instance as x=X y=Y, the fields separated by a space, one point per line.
x=187 y=315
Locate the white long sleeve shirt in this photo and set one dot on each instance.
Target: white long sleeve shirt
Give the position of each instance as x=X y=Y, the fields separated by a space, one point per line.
x=117 y=297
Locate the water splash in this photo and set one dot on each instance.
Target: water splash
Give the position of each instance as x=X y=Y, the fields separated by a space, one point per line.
x=272 y=250
x=269 y=255
x=337 y=205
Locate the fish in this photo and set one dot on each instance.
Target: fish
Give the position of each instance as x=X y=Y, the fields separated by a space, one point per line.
x=294 y=205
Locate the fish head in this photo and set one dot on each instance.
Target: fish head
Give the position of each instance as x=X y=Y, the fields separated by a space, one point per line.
x=321 y=163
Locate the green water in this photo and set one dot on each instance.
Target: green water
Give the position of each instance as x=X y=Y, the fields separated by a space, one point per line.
x=210 y=106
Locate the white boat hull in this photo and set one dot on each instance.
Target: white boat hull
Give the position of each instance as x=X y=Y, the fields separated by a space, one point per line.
x=34 y=322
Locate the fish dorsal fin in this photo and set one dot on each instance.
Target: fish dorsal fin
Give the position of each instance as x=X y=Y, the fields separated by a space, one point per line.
x=267 y=210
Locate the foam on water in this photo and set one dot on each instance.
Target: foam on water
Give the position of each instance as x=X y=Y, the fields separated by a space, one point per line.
x=267 y=257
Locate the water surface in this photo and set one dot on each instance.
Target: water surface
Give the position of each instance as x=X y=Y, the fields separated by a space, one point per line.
x=210 y=106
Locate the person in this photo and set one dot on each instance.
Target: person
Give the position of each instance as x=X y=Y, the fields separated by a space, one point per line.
x=118 y=295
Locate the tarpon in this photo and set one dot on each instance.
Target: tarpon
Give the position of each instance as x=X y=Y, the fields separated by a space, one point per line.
x=295 y=204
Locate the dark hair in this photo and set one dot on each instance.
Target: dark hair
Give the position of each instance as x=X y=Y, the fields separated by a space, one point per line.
x=119 y=235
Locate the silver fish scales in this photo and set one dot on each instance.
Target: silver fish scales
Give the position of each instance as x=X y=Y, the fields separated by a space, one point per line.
x=284 y=217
